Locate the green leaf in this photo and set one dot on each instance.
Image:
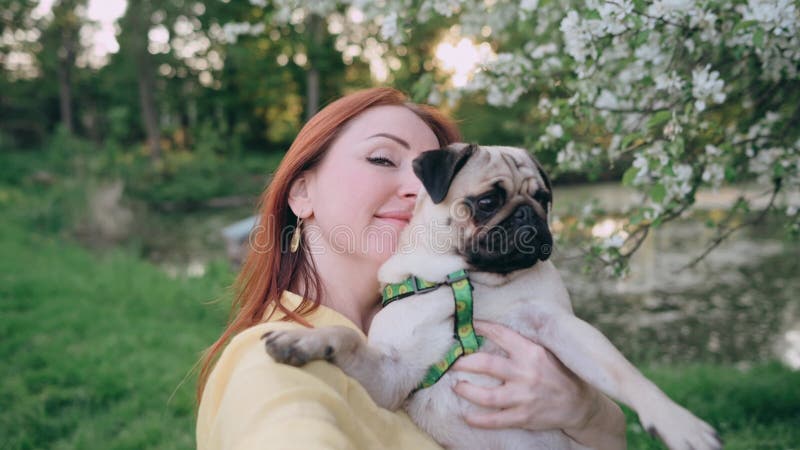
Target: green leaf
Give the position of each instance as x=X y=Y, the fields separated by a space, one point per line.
x=658 y=192
x=744 y=24
x=677 y=146
x=422 y=88
x=658 y=119
x=592 y=14
x=730 y=174
x=629 y=176
x=778 y=171
x=629 y=139
x=758 y=38
x=641 y=37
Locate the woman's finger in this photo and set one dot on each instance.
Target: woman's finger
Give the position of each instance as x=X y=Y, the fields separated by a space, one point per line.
x=508 y=339
x=497 y=397
x=506 y=418
x=487 y=364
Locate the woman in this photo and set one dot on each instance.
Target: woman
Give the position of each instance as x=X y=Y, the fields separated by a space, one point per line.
x=344 y=190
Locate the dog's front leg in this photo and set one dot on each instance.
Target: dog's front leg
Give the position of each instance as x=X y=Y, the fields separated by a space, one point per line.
x=589 y=354
x=380 y=371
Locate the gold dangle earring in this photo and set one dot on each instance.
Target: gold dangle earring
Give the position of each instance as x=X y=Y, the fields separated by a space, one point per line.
x=296 y=235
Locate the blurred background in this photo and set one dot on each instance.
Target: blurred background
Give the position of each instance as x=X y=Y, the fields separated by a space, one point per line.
x=136 y=136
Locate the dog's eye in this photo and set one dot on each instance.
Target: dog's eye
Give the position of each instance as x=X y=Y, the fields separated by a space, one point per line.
x=489 y=202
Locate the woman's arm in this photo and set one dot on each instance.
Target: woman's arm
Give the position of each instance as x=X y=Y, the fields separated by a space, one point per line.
x=538 y=393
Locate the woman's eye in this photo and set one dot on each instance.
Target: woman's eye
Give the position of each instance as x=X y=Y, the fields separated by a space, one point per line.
x=381 y=161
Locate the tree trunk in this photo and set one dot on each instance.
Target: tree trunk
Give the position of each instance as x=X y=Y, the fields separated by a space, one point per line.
x=66 y=61
x=65 y=95
x=147 y=101
x=139 y=12
x=312 y=77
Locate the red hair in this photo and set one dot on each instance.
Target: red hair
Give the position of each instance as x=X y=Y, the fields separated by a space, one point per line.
x=266 y=273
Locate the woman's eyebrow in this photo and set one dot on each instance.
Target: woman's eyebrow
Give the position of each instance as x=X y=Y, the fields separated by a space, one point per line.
x=392 y=137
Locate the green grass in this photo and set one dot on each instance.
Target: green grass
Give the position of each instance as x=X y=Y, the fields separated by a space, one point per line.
x=758 y=408
x=93 y=347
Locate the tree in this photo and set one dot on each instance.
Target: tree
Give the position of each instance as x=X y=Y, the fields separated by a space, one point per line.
x=137 y=24
x=686 y=94
x=63 y=30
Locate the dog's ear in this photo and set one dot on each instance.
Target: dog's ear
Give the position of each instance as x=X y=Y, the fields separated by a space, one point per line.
x=542 y=173
x=437 y=169
x=545 y=179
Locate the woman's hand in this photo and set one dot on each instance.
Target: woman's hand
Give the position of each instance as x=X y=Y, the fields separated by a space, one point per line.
x=537 y=392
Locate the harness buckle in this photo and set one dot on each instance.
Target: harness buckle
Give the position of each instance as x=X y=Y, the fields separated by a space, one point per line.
x=461 y=276
x=421 y=289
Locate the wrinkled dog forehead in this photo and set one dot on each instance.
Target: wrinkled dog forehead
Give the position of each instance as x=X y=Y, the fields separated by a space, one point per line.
x=514 y=167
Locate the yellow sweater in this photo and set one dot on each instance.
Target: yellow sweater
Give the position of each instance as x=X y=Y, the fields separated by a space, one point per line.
x=251 y=402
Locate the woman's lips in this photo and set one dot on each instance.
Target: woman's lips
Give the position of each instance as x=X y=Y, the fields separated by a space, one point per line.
x=397 y=218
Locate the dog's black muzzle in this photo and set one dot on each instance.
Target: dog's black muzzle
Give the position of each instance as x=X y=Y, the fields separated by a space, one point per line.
x=517 y=242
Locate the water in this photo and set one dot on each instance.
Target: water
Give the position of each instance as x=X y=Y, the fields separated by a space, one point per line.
x=740 y=305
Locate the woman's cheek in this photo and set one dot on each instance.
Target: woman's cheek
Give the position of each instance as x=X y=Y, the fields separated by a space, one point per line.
x=381 y=241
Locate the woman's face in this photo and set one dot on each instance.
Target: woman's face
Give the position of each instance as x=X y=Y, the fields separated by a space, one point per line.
x=362 y=193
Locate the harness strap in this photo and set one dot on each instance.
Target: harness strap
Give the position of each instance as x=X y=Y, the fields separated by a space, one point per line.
x=467 y=341
x=408 y=287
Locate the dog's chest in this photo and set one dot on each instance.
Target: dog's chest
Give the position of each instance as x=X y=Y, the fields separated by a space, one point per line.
x=419 y=327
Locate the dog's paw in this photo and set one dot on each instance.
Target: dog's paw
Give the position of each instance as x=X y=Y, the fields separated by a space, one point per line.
x=679 y=428
x=297 y=347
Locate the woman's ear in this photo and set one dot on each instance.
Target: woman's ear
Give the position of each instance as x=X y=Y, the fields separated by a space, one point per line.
x=300 y=198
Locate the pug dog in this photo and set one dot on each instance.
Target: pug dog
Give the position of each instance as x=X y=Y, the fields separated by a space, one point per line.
x=484 y=209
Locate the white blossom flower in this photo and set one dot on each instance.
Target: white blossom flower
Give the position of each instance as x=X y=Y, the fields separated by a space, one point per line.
x=669 y=9
x=577 y=37
x=713 y=151
x=528 y=5
x=504 y=79
x=779 y=16
x=679 y=185
x=714 y=174
x=445 y=8
x=606 y=100
x=614 y=241
x=544 y=105
x=389 y=27
x=672 y=82
x=762 y=163
x=555 y=130
x=571 y=158
x=541 y=51
x=613 y=14
x=706 y=85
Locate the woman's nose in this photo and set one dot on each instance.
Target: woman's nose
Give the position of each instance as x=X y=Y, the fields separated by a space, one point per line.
x=410 y=185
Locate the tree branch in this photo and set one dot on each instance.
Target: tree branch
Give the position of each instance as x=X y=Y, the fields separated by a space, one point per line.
x=724 y=234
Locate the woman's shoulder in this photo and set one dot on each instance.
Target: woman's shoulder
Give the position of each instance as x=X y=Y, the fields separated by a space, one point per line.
x=246 y=352
x=247 y=386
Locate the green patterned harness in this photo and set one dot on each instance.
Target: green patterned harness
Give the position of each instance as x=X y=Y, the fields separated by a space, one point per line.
x=464 y=333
